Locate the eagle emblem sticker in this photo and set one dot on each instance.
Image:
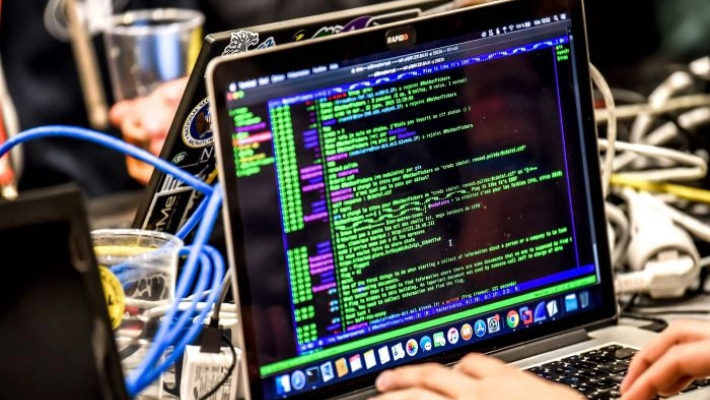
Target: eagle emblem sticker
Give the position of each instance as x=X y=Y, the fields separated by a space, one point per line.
x=197 y=130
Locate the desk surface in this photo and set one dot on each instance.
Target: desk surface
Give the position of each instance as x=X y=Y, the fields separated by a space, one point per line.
x=697 y=307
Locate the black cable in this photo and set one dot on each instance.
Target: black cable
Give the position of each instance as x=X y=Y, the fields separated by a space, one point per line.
x=223 y=290
x=229 y=372
x=681 y=311
x=645 y=302
x=657 y=324
x=624 y=307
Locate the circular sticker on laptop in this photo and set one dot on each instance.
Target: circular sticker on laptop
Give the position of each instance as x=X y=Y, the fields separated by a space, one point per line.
x=114 y=296
x=197 y=131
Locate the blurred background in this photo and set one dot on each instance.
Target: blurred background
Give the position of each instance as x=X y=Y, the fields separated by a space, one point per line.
x=635 y=44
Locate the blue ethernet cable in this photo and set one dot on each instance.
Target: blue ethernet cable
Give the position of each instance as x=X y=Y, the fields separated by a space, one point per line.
x=139 y=380
x=108 y=141
x=186 y=315
x=205 y=215
x=193 y=220
x=149 y=376
x=201 y=237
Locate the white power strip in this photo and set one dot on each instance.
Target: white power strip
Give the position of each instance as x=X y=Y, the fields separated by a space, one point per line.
x=201 y=372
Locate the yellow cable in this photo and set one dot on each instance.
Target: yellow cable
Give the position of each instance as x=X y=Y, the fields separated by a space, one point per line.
x=685 y=192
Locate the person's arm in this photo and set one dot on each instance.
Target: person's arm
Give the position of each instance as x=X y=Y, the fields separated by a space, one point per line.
x=476 y=376
x=666 y=365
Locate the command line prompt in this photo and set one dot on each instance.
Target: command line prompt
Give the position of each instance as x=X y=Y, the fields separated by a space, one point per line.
x=411 y=194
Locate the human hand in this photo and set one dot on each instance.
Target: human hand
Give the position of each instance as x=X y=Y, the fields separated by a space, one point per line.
x=476 y=376
x=145 y=122
x=667 y=364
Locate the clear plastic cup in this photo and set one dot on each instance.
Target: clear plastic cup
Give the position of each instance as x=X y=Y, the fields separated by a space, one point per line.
x=138 y=270
x=148 y=47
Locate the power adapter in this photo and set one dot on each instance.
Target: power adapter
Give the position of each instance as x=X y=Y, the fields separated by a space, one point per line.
x=210 y=371
x=662 y=256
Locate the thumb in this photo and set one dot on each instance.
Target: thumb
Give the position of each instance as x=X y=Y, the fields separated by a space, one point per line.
x=120 y=111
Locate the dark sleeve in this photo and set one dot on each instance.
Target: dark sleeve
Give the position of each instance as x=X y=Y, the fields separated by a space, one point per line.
x=43 y=82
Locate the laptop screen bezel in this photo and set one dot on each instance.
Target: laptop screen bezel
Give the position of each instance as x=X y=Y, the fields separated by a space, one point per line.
x=360 y=44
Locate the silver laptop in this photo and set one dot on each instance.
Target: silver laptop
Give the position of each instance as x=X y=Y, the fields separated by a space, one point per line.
x=415 y=192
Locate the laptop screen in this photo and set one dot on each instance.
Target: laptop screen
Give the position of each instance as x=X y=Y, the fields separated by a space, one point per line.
x=414 y=204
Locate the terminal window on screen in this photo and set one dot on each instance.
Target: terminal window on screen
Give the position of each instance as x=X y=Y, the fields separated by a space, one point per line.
x=410 y=199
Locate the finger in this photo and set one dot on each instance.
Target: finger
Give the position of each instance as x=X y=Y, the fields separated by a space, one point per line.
x=156 y=119
x=667 y=372
x=676 y=387
x=156 y=116
x=139 y=170
x=119 y=111
x=133 y=132
x=433 y=377
x=678 y=332
x=479 y=366
x=171 y=92
x=411 y=394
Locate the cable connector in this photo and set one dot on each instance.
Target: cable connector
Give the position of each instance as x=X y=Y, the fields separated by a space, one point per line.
x=701 y=67
x=211 y=339
x=662 y=255
x=667 y=276
x=207 y=374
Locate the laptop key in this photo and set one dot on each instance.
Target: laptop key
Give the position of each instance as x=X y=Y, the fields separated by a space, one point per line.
x=624 y=353
x=599 y=396
x=572 y=359
x=571 y=380
x=613 y=368
x=597 y=374
x=537 y=370
x=600 y=360
x=554 y=364
x=582 y=365
x=592 y=353
x=548 y=376
x=604 y=383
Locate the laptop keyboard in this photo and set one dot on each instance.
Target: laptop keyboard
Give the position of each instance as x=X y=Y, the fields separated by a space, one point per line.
x=598 y=373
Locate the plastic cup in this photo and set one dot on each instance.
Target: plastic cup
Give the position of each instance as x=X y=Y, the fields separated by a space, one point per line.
x=148 y=47
x=138 y=270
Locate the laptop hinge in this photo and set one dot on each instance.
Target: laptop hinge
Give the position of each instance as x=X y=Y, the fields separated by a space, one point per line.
x=543 y=345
